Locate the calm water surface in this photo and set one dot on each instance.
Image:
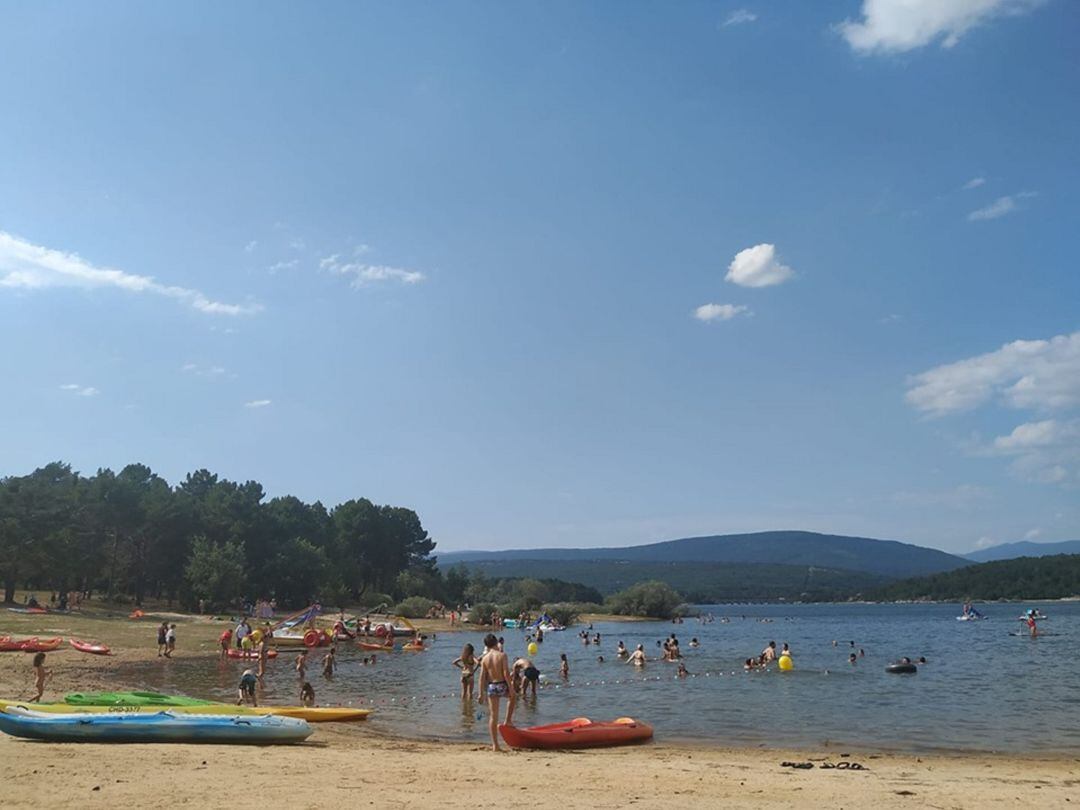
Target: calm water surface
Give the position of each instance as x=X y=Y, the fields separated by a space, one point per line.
x=982 y=688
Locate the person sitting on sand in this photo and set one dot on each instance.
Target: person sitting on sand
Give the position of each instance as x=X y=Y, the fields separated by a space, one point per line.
x=328 y=664
x=494 y=686
x=301 y=664
x=467 y=663
x=40 y=676
x=246 y=690
x=307 y=695
x=638 y=656
x=621 y=651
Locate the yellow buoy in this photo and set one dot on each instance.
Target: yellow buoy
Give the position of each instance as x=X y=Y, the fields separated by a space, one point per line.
x=785 y=663
x=533 y=649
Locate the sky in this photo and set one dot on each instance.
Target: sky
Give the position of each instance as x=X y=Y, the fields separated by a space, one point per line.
x=558 y=274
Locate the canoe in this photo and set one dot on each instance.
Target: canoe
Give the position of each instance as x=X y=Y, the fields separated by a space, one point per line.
x=367 y=645
x=160 y=727
x=313 y=714
x=252 y=655
x=578 y=733
x=9 y=644
x=130 y=699
x=89 y=647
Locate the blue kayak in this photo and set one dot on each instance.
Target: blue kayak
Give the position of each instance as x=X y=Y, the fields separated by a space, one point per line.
x=162 y=727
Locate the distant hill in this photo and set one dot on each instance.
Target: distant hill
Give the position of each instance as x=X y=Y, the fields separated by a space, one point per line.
x=883 y=558
x=1010 y=551
x=1054 y=577
x=698 y=582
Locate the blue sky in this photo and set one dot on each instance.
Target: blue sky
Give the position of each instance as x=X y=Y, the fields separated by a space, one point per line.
x=555 y=274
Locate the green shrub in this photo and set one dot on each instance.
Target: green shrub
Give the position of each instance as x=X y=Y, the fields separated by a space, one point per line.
x=481 y=614
x=415 y=607
x=656 y=600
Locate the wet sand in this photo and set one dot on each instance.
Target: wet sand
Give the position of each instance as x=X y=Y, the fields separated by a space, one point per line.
x=357 y=765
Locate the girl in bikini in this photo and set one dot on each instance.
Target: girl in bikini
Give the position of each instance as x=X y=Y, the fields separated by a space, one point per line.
x=467 y=663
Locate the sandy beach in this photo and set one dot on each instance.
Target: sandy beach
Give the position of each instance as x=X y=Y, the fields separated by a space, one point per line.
x=350 y=765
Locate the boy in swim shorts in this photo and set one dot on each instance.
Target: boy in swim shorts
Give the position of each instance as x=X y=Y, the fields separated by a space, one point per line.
x=494 y=686
x=246 y=690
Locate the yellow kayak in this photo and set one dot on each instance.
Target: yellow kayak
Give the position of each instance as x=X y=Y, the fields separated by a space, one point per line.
x=311 y=714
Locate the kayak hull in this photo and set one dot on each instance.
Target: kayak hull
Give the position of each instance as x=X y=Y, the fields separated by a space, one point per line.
x=155 y=699
x=315 y=714
x=577 y=734
x=89 y=647
x=160 y=727
x=34 y=645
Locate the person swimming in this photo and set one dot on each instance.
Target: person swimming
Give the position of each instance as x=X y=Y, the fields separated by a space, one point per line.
x=621 y=651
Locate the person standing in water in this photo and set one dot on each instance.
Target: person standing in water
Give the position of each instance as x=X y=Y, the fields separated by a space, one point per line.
x=301 y=664
x=637 y=658
x=246 y=690
x=328 y=664
x=494 y=686
x=467 y=663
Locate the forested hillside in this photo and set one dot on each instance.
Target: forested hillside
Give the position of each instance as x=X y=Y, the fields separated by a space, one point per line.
x=1055 y=577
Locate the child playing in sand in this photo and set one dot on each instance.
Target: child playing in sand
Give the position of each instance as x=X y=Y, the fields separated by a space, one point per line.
x=40 y=676
x=246 y=690
x=307 y=695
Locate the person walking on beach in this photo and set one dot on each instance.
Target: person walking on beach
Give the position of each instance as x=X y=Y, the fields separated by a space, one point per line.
x=264 y=654
x=40 y=676
x=467 y=663
x=242 y=631
x=494 y=686
x=170 y=641
x=225 y=640
x=162 y=643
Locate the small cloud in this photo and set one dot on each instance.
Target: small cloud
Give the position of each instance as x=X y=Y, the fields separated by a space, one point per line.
x=24 y=265
x=974 y=182
x=279 y=266
x=257 y=403
x=366 y=274
x=999 y=207
x=896 y=26
x=250 y=246
x=758 y=266
x=985 y=542
x=1031 y=534
x=80 y=390
x=297 y=243
x=719 y=312
x=740 y=16
x=203 y=371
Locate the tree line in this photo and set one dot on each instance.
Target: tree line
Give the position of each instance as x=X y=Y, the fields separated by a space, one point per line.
x=132 y=535
x=1055 y=577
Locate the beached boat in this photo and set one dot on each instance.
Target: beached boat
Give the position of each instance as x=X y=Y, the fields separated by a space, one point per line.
x=252 y=655
x=313 y=714
x=580 y=732
x=35 y=644
x=92 y=647
x=160 y=727
x=131 y=699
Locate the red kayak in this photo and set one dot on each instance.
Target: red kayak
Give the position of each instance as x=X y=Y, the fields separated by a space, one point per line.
x=89 y=647
x=250 y=654
x=9 y=644
x=580 y=732
x=367 y=645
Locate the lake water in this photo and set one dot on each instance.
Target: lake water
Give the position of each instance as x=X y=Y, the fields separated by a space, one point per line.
x=981 y=688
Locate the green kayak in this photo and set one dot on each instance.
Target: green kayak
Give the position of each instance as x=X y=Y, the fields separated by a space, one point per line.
x=130 y=699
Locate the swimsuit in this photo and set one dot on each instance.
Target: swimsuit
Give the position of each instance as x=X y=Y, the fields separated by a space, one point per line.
x=531 y=674
x=247 y=684
x=498 y=689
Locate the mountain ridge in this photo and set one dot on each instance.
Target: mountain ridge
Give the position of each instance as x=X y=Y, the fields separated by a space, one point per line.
x=1023 y=548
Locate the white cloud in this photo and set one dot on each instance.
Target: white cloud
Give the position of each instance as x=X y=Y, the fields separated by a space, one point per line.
x=279 y=266
x=1031 y=534
x=1047 y=452
x=250 y=246
x=24 y=265
x=80 y=390
x=986 y=542
x=364 y=274
x=974 y=182
x=895 y=26
x=758 y=266
x=203 y=371
x=1026 y=374
x=740 y=16
x=719 y=312
x=1000 y=207
x=257 y=403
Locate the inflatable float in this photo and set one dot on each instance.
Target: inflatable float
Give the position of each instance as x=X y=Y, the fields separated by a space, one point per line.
x=160 y=727
x=580 y=732
x=901 y=668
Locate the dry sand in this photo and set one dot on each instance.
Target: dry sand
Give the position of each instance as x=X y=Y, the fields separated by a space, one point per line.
x=356 y=765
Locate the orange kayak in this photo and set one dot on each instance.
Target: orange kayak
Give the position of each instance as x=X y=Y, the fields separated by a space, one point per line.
x=367 y=645
x=580 y=732
x=89 y=647
x=8 y=644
